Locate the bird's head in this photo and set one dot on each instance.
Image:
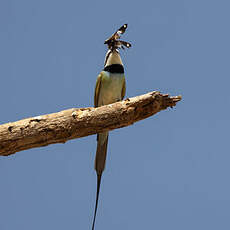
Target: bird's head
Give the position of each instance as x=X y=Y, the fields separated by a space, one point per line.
x=113 y=55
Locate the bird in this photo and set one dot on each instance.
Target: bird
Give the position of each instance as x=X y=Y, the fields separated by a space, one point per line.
x=110 y=88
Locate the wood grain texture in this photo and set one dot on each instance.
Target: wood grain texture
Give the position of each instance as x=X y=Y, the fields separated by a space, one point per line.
x=79 y=122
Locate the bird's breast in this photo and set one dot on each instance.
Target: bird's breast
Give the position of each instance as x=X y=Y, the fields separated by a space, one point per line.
x=111 y=88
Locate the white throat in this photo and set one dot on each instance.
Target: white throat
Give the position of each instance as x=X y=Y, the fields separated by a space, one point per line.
x=112 y=57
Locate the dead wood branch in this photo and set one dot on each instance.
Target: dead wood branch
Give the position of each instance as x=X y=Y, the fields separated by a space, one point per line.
x=79 y=122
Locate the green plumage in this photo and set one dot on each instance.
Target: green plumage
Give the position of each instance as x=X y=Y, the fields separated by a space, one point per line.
x=110 y=88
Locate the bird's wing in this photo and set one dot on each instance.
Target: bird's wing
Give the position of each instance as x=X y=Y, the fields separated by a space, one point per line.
x=97 y=90
x=123 y=89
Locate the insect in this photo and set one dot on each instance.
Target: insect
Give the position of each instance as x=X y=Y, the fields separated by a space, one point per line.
x=114 y=43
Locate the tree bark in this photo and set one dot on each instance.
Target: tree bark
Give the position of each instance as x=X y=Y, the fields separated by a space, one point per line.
x=79 y=122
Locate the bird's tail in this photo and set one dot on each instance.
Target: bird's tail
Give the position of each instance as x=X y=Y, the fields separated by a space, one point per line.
x=102 y=142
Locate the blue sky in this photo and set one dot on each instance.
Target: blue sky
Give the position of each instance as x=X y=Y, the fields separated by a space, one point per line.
x=170 y=171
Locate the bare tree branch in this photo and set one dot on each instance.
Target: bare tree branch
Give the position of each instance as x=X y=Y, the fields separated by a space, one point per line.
x=79 y=122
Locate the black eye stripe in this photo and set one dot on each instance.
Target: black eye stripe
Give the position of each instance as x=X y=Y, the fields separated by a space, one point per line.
x=107 y=57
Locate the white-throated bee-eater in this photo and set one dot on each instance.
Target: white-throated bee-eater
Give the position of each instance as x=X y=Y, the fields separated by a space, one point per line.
x=110 y=88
